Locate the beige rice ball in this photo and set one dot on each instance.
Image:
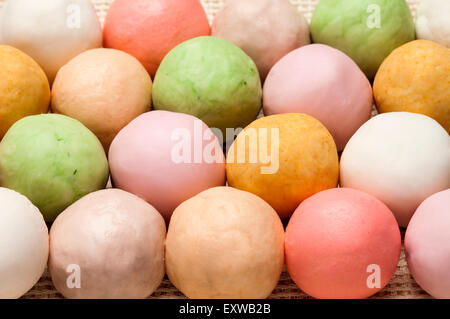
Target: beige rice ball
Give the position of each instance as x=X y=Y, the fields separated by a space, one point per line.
x=266 y=30
x=105 y=89
x=225 y=244
x=109 y=244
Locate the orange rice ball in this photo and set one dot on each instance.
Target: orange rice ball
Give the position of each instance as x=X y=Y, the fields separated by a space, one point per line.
x=283 y=159
x=416 y=78
x=24 y=88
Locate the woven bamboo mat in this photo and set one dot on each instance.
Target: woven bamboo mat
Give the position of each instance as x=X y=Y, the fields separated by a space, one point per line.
x=402 y=284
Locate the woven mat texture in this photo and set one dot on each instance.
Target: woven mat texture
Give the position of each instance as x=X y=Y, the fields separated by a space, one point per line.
x=402 y=284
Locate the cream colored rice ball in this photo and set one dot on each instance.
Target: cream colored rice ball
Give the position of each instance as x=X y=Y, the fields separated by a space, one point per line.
x=23 y=244
x=433 y=21
x=400 y=158
x=51 y=32
x=225 y=244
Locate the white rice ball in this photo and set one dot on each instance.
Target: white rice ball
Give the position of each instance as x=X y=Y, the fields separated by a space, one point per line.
x=51 y=32
x=23 y=244
x=433 y=21
x=401 y=158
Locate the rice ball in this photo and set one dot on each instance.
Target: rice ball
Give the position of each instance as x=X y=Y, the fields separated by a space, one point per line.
x=401 y=158
x=23 y=244
x=265 y=29
x=104 y=89
x=109 y=244
x=342 y=243
x=427 y=245
x=166 y=158
x=225 y=244
x=51 y=32
x=433 y=21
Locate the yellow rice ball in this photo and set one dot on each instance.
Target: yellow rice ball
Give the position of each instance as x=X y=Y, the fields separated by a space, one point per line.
x=24 y=88
x=416 y=78
x=283 y=159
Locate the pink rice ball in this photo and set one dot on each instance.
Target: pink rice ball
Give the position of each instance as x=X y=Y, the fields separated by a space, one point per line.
x=427 y=245
x=342 y=243
x=324 y=83
x=166 y=158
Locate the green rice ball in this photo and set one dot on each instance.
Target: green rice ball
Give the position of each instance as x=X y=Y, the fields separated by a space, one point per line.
x=53 y=160
x=366 y=30
x=212 y=79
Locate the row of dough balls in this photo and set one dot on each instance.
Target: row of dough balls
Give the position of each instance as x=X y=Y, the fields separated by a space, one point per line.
x=222 y=243
x=279 y=22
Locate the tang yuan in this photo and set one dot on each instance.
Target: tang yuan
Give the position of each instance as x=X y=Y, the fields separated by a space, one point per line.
x=401 y=158
x=342 y=244
x=53 y=160
x=366 y=30
x=109 y=244
x=323 y=82
x=225 y=244
x=166 y=158
x=433 y=22
x=51 y=32
x=265 y=29
x=416 y=78
x=24 y=244
x=149 y=29
x=427 y=245
x=24 y=88
x=283 y=159
x=211 y=79
x=104 y=89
